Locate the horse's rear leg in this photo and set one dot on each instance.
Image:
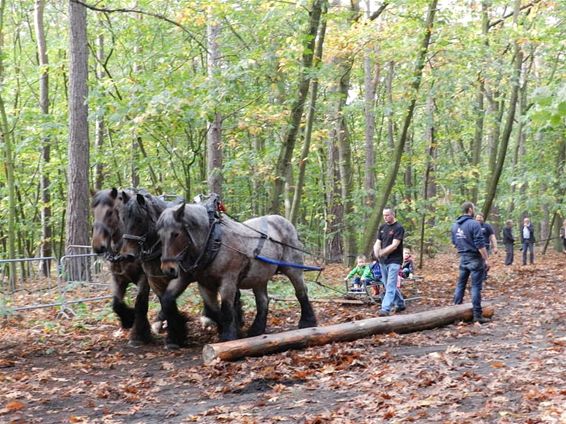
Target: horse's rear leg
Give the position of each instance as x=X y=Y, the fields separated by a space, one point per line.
x=262 y=306
x=308 y=317
x=141 y=331
x=124 y=312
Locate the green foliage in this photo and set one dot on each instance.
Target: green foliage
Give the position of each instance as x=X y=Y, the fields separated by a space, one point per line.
x=156 y=89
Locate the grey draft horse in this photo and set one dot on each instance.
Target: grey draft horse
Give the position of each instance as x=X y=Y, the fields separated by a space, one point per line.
x=220 y=254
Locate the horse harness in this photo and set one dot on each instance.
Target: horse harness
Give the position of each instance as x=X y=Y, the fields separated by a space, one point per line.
x=213 y=240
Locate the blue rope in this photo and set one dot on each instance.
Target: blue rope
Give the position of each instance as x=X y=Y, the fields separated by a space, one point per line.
x=289 y=264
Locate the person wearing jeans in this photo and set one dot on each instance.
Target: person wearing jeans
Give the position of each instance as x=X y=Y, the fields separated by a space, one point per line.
x=528 y=241
x=388 y=249
x=468 y=239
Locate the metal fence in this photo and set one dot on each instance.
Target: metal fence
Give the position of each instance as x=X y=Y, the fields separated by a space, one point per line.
x=33 y=283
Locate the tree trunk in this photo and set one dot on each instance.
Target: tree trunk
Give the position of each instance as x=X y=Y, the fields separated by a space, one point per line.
x=345 y=332
x=478 y=132
x=286 y=152
x=390 y=115
x=429 y=190
x=44 y=184
x=502 y=153
x=293 y=216
x=78 y=149
x=334 y=208
x=214 y=134
x=7 y=139
x=400 y=147
x=371 y=79
x=99 y=123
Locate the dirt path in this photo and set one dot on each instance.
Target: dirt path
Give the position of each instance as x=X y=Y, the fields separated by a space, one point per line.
x=511 y=370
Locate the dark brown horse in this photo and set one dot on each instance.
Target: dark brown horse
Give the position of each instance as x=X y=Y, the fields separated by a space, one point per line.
x=141 y=244
x=107 y=240
x=221 y=254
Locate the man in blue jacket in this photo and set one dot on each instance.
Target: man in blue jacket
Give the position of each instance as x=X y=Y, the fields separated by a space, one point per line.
x=467 y=237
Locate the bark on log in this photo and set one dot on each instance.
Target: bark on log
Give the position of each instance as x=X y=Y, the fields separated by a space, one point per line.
x=340 y=301
x=316 y=336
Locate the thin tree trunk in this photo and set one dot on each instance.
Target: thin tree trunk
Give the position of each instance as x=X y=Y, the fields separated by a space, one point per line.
x=502 y=154
x=46 y=231
x=293 y=216
x=78 y=154
x=99 y=123
x=429 y=189
x=214 y=134
x=371 y=79
x=334 y=207
x=286 y=152
x=478 y=133
x=400 y=147
x=390 y=119
x=7 y=139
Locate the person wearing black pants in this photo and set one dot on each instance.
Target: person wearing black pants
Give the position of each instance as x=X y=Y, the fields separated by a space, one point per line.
x=508 y=241
x=528 y=241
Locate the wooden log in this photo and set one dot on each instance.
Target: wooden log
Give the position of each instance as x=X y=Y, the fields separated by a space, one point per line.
x=316 y=336
x=340 y=301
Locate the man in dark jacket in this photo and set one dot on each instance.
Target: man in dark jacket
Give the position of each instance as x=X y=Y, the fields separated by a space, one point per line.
x=528 y=241
x=468 y=239
x=508 y=241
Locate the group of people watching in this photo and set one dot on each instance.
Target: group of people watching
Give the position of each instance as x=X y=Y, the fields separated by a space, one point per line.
x=474 y=240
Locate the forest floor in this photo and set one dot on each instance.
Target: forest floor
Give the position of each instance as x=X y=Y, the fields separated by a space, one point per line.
x=512 y=370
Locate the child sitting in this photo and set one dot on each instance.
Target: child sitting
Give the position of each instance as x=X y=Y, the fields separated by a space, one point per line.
x=372 y=277
x=357 y=272
x=407 y=268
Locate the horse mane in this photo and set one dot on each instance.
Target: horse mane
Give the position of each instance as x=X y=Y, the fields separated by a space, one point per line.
x=102 y=197
x=153 y=206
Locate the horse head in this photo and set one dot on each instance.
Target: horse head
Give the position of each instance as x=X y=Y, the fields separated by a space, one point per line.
x=139 y=214
x=182 y=231
x=106 y=230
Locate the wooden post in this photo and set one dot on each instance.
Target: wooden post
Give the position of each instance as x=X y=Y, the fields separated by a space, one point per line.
x=316 y=336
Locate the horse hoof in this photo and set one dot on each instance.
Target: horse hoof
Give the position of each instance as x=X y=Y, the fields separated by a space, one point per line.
x=172 y=346
x=308 y=324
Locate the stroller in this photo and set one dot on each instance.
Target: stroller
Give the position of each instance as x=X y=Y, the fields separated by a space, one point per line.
x=371 y=285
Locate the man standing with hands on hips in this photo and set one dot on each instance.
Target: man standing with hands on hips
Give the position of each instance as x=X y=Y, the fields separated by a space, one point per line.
x=468 y=239
x=388 y=249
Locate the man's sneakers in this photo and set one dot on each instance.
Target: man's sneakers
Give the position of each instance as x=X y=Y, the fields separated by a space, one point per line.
x=393 y=311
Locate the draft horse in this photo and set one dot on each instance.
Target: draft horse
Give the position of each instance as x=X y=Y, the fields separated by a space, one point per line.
x=107 y=235
x=141 y=243
x=220 y=254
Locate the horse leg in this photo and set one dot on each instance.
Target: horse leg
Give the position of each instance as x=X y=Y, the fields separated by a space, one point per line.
x=176 y=328
x=229 y=327
x=308 y=317
x=141 y=330
x=262 y=306
x=211 y=310
x=124 y=312
x=238 y=309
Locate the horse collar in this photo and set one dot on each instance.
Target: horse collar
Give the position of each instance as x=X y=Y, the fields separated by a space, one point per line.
x=211 y=247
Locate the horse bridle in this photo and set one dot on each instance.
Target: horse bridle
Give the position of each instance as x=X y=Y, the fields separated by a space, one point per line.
x=144 y=254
